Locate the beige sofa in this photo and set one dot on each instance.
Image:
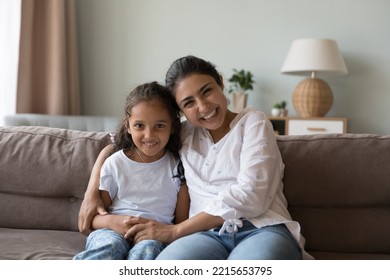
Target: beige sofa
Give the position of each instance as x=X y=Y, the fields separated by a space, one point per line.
x=337 y=187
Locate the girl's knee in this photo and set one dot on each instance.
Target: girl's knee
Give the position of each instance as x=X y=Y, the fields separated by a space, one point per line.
x=146 y=250
x=108 y=239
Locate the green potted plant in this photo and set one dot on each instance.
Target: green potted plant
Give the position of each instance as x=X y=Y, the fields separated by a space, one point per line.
x=241 y=81
x=279 y=109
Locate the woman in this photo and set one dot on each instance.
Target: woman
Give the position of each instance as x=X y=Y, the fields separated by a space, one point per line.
x=233 y=170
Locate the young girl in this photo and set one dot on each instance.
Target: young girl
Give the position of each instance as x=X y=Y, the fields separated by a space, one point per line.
x=143 y=178
x=234 y=175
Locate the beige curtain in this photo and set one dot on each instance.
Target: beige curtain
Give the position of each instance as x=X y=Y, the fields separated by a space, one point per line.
x=48 y=72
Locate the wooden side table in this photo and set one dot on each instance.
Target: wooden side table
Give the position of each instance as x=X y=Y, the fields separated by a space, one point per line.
x=300 y=126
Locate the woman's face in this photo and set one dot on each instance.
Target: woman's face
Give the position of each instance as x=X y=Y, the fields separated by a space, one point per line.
x=202 y=101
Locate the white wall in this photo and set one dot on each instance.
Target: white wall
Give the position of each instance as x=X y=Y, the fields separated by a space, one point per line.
x=123 y=43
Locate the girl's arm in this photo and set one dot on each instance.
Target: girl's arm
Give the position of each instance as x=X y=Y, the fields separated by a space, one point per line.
x=105 y=196
x=142 y=229
x=113 y=222
x=182 y=205
x=92 y=203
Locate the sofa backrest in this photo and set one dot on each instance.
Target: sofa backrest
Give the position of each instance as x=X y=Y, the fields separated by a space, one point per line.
x=338 y=188
x=44 y=173
x=84 y=123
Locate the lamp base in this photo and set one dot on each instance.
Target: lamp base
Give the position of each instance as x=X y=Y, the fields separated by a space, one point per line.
x=312 y=98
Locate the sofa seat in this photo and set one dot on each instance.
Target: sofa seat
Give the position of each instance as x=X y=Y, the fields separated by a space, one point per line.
x=27 y=244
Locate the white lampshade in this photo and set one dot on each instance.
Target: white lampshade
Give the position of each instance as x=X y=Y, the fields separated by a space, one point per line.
x=314 y=55
x=313 y=97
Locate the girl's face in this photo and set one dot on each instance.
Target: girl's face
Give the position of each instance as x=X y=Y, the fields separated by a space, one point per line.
x=202 y=101
x=150 y=127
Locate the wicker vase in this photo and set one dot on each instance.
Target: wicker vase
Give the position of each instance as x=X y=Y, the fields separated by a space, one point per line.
x=312 y=98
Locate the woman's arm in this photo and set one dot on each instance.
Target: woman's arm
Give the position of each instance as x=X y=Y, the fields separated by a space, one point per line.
x=142 y=229
x=92 y=203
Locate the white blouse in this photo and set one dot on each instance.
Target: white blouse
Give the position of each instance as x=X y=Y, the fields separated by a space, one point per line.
x=239 y=177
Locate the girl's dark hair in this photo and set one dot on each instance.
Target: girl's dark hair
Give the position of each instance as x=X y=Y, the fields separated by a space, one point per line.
x=185 y=66
x=147 y=92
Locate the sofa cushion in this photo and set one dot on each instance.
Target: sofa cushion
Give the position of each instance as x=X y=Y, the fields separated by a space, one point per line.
x=33 y=244
x=338 y=188
x=44 y=173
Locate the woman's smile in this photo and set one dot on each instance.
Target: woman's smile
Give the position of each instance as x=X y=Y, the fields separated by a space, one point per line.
x=210 y=115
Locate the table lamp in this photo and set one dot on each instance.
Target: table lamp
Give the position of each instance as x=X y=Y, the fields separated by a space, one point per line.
x=313 y=97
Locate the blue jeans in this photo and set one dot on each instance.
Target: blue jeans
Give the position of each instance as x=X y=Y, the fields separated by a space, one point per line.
x=106 y=244
x=248 y=243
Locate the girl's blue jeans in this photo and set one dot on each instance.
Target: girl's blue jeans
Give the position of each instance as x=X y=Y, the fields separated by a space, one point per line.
x=106 y=244
x=248 y=243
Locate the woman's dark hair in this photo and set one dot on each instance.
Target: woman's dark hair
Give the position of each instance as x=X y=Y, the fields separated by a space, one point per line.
x=185 y=66
x=147 y=92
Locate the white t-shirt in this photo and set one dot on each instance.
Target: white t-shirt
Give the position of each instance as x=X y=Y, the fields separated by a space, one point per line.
x=147 y=190
x=239 y=177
